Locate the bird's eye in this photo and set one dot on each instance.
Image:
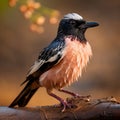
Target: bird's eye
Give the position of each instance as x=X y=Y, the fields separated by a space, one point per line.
x=72 y=22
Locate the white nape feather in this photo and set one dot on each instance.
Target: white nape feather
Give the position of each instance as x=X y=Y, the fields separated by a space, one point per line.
x=74 y=16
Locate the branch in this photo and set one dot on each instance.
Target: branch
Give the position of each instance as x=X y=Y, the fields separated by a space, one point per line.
x=94 y=109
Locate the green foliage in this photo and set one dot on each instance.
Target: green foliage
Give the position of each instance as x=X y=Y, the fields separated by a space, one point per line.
x=3 y=6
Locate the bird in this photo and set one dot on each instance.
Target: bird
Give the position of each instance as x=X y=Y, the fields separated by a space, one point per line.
x=60 y=63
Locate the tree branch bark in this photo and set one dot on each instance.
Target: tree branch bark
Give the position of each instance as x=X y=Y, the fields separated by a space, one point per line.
x=94 y=109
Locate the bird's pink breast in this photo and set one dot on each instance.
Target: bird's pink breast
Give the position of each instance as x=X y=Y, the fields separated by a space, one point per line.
x=76 y=56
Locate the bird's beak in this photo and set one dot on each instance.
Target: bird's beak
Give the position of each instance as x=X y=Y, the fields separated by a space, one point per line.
x=91 y=24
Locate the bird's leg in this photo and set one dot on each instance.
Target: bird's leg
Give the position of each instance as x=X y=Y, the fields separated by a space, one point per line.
x=63 y=102
x=68 y=92
x=74 y=94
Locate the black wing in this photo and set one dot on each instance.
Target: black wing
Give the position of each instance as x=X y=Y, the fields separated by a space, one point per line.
x=48 y=57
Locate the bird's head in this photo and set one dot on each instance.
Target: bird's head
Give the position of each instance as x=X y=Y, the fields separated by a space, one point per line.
x=74 y=24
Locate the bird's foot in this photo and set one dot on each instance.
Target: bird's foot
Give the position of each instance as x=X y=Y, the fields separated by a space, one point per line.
x=86 y=98
x=65 y=105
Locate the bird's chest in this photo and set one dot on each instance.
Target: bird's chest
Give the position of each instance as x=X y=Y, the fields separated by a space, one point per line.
x=76 y=56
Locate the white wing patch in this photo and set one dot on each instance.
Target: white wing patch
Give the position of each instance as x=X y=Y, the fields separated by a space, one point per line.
x=53 y=58
x=39 y=63
x=36 y=66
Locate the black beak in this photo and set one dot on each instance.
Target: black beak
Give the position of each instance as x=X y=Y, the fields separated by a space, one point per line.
x=91 y=24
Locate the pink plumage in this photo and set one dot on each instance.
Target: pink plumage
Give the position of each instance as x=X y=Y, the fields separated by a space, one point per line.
x=76 y=57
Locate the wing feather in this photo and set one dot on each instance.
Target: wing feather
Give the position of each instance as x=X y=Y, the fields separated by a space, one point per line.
x=48 y=57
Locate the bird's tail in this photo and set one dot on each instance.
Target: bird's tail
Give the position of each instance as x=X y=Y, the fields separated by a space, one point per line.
x=25 y=95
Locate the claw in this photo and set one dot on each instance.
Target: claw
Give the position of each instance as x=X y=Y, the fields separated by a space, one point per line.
x=86 y=98
x=65 y=105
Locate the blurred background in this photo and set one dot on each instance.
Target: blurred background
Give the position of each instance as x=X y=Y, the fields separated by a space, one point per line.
x=19 y=47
